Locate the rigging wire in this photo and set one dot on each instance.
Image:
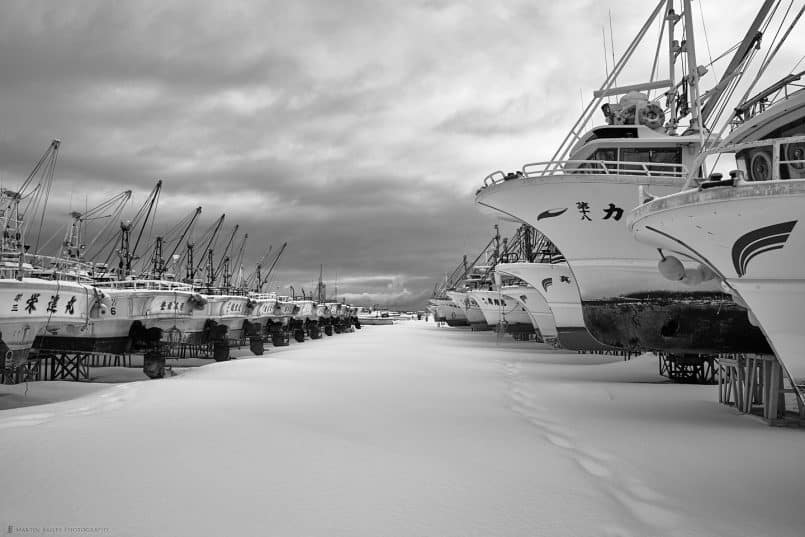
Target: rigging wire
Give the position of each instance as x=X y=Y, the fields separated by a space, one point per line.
x=612 y=45
x=707 y=39
x=769 y=56
x=50 y=171
x=797 y=64
x=606 y=60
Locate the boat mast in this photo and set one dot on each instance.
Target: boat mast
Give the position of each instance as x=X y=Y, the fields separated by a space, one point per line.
x=12 y=239
x=41 y=192
x=185 y=232
x=210 y=270
x=71 y=249
x=271 y=268
x=672 y=18
x=124 y=265
x=190 y=272
x=158 y=263
x=225 y=254
x=606 y=90
x=151 y=203
x=227 y=275
x=75 y=245
x=213 y=235
x=689 y=46
x=321 y=290
x=239 y=261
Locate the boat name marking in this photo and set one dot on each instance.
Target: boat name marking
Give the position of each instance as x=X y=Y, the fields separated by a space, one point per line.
x=33 y=300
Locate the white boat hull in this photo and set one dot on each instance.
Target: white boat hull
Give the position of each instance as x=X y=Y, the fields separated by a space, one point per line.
x=229 y=311
x=753 y=236
x=447 y=311
x=33 y=307
x=500 y=308
x=557 y=285
x=115 y=310
x=626 y=302
x=306 y=311
x=537 y=308
x=471 y=309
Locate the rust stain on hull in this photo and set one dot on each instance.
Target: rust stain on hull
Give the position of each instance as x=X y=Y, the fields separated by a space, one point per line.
x=704 y=323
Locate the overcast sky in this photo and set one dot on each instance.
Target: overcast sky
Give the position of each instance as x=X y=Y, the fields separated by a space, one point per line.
x=357 y=131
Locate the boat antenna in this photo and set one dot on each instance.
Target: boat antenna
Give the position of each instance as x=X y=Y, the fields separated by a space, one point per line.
x=606 y=59
x=607 y=88
x=612 y=45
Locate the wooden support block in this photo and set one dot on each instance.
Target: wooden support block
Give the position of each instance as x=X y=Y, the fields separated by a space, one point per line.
x=750 y=379
x=774 y=382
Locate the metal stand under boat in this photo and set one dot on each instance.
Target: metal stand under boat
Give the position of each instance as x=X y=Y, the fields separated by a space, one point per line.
x=756 y=384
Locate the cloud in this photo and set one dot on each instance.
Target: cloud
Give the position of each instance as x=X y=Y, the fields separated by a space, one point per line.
x=357 y=130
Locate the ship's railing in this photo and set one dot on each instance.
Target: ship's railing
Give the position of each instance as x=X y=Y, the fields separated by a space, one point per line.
x=219 y=291
x=659 y=170
x=772 y=95
x=776 y=159
x=157 y=285
x=263 y=296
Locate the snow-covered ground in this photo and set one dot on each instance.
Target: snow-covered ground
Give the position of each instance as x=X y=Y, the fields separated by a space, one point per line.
x=404 y=430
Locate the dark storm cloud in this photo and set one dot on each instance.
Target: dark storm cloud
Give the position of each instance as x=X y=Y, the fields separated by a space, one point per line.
x=355 y=130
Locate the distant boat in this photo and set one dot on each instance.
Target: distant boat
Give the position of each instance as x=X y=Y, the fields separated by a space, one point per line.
x=374 y=317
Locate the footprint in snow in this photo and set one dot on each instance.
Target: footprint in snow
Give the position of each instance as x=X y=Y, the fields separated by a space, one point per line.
x=26 y=420
x=648 y=513
x=111 y=399
x=642 y=491
x=559 y=441
x=593 y=467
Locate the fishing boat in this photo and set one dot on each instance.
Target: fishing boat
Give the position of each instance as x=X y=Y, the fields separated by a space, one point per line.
x=370 y=316
x=469 y=307
x=544 y=268
x=261 y=308
x=448 y=311
x=284 y=309
x=746 y=230
x=537 y=309
x=501 y=311
x=39 y=296
x=305 y=319
x=579 y=198
x=557 y=286
x=32 y=307
x=323 y=311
